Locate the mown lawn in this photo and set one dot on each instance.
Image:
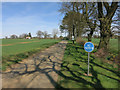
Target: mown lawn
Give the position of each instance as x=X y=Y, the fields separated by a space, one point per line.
x=74 y=68
x=18 y=51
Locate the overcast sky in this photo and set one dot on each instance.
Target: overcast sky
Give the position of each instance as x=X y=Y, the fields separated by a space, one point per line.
x=25 y=17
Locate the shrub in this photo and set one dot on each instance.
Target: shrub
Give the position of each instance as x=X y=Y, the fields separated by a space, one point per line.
x=101 y=53
x=22 y=55
x=80 y=41
x=65 y=38
x=61 y=37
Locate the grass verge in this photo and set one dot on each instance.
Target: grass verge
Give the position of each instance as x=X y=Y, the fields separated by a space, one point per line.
x=74 y=68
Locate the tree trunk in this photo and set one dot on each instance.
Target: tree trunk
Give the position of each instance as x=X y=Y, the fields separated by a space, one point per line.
x=105 y=22
x=73 y=21
x=92 y=27
x=73 y=32
x=104 y=41
x=90 y=34
x=70 y=35
x=89 y=37
x=105 y=33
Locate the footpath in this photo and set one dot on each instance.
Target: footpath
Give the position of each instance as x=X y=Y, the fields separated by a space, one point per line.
x=38 y=71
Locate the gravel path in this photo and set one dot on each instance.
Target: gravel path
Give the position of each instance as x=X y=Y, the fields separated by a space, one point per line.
x=38 y=71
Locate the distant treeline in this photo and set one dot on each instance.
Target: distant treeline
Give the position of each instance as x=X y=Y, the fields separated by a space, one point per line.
x=40 y=34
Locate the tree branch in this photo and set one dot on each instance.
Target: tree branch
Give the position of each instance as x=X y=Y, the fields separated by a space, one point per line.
x=106 y=5
x=100 y=10
x=112 y=10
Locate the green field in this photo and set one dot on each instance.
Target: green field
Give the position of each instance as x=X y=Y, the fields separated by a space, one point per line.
x=113 y=45
x=13 y=41
x=74 y=68
x=18 y=49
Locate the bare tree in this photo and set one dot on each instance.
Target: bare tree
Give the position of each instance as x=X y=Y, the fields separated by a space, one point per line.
x=6 y=37
x=24 y=35
x=49 y=36
x=90 y=14
x=55 y=32
x=79 y=15
x=13 y=36
x=105 y=19
x=45 y=34
x=116 y=22
x=39 y=34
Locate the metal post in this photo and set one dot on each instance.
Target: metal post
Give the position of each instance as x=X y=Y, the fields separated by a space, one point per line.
x=73 y=31
x=73 y=22
x=88 y=62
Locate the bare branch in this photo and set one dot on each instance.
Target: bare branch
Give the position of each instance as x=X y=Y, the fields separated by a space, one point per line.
x=106 y=5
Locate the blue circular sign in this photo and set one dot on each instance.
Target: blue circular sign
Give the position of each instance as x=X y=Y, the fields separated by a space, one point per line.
x=88 y=46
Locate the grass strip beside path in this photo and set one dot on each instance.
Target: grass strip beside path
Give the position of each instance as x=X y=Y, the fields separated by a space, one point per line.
x=75 y=64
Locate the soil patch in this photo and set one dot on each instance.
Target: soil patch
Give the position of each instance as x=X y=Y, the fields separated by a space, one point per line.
x=18 y=43
x=24 y=42
x=6 y=44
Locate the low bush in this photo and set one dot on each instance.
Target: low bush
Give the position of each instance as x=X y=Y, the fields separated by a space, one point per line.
x=65 y=38
x=80 y=41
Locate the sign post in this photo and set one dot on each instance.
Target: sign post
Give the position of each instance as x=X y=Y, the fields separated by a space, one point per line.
x=88 y=62
x=89 y=47
x=73 y=39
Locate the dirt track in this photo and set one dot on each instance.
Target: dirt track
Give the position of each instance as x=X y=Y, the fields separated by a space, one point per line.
x=40 y=71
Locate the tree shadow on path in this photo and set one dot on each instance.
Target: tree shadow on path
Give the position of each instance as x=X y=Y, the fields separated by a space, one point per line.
x=40 y=65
